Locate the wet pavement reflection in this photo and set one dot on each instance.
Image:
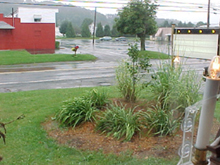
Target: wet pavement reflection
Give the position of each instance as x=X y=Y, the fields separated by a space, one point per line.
x=81 y=74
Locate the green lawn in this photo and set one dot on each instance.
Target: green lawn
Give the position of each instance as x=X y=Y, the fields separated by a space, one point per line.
x=24 y=57
x=217 y=110
x=155 y=55
x=27 y=142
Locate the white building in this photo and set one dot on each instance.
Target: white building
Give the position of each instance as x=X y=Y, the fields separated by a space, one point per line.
x=42 y=15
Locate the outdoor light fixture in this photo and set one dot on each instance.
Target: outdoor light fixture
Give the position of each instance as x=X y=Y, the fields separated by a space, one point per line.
x=207 y=112
x=214 y=68
x=176 y=59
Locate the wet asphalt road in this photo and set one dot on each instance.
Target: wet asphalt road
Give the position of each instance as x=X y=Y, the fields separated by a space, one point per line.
x=80 y=74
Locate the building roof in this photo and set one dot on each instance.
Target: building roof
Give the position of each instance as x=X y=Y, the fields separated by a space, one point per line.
x=4 y=25
x=163 y=31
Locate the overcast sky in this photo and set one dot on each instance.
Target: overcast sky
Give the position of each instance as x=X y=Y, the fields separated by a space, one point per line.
x=184 y=10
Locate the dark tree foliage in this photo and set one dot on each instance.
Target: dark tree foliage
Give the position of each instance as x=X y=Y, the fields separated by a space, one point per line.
x=107 y=31
x=87 y=22
x=63 y=27
x=115 y=32
x=70 y=33
x=189 y=24
x=138 y=18
x=77 y=29
x=99 y=30
x=200 y=23
x=85 y=32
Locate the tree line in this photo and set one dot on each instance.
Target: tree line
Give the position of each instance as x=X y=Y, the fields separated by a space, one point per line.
x=166 y=23
x=70 y=31
x=138 y=18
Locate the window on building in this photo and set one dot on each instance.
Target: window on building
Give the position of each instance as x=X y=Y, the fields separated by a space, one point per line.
x=37 y=18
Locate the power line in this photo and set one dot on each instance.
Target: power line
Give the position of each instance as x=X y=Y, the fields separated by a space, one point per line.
x=161 y=7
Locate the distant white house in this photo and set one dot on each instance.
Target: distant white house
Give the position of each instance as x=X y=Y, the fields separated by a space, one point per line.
x=91 y=28
x=57 y=32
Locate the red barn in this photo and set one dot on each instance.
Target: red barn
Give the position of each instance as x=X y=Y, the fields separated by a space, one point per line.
x=32 y=29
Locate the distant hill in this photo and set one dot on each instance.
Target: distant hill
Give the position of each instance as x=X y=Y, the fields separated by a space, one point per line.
x=76 y=15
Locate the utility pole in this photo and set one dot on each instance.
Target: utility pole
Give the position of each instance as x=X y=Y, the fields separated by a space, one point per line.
x=94 y=27
x=12 y=14
x=208 y=15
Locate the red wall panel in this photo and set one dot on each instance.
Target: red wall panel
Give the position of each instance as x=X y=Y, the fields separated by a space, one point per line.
x=30 y=36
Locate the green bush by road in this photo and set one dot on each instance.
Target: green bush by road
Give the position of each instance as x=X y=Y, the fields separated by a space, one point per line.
x=23 y=57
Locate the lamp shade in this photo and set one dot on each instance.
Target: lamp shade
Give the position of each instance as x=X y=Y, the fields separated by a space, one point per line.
x=214 y=68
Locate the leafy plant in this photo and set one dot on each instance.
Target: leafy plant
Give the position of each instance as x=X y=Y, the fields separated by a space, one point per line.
x=76 y=111
x=99 y=98
x=161 y=122
x=119 y=122
x=128 y=73
x=125 y=81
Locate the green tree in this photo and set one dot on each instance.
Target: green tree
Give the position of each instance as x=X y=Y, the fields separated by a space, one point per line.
x=107 y=31
x=99 y=30
x=85 y=32
x=70 y=33
x=114 y=31
x=166 y=24
x=87 y=22
x=128 y=74
x=138 y=18
x=63 y=27
x=190 y=24
x=200 y=23
x=180 y=24
x=77 y=29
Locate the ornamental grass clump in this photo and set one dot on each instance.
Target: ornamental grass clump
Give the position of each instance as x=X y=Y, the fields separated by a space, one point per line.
x=119 y=122
x=175 y=88
x=160 y=122
x=125 y=82
x=99 y=98
x=76 y=111
x=172 y=89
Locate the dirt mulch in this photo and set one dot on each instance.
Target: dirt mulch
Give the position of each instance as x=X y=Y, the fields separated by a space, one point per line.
x=85 y=137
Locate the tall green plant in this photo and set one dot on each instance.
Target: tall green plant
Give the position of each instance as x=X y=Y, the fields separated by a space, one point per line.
x=128 y=73
x=125 y=82
x=175 y=87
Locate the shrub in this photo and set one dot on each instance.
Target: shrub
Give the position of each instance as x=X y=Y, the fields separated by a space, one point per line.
x=98 y=98
x=57 y=45
x=125 y=82
x=160 y=122
x=119 y=122
x=128 y=73
x=76 y=111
